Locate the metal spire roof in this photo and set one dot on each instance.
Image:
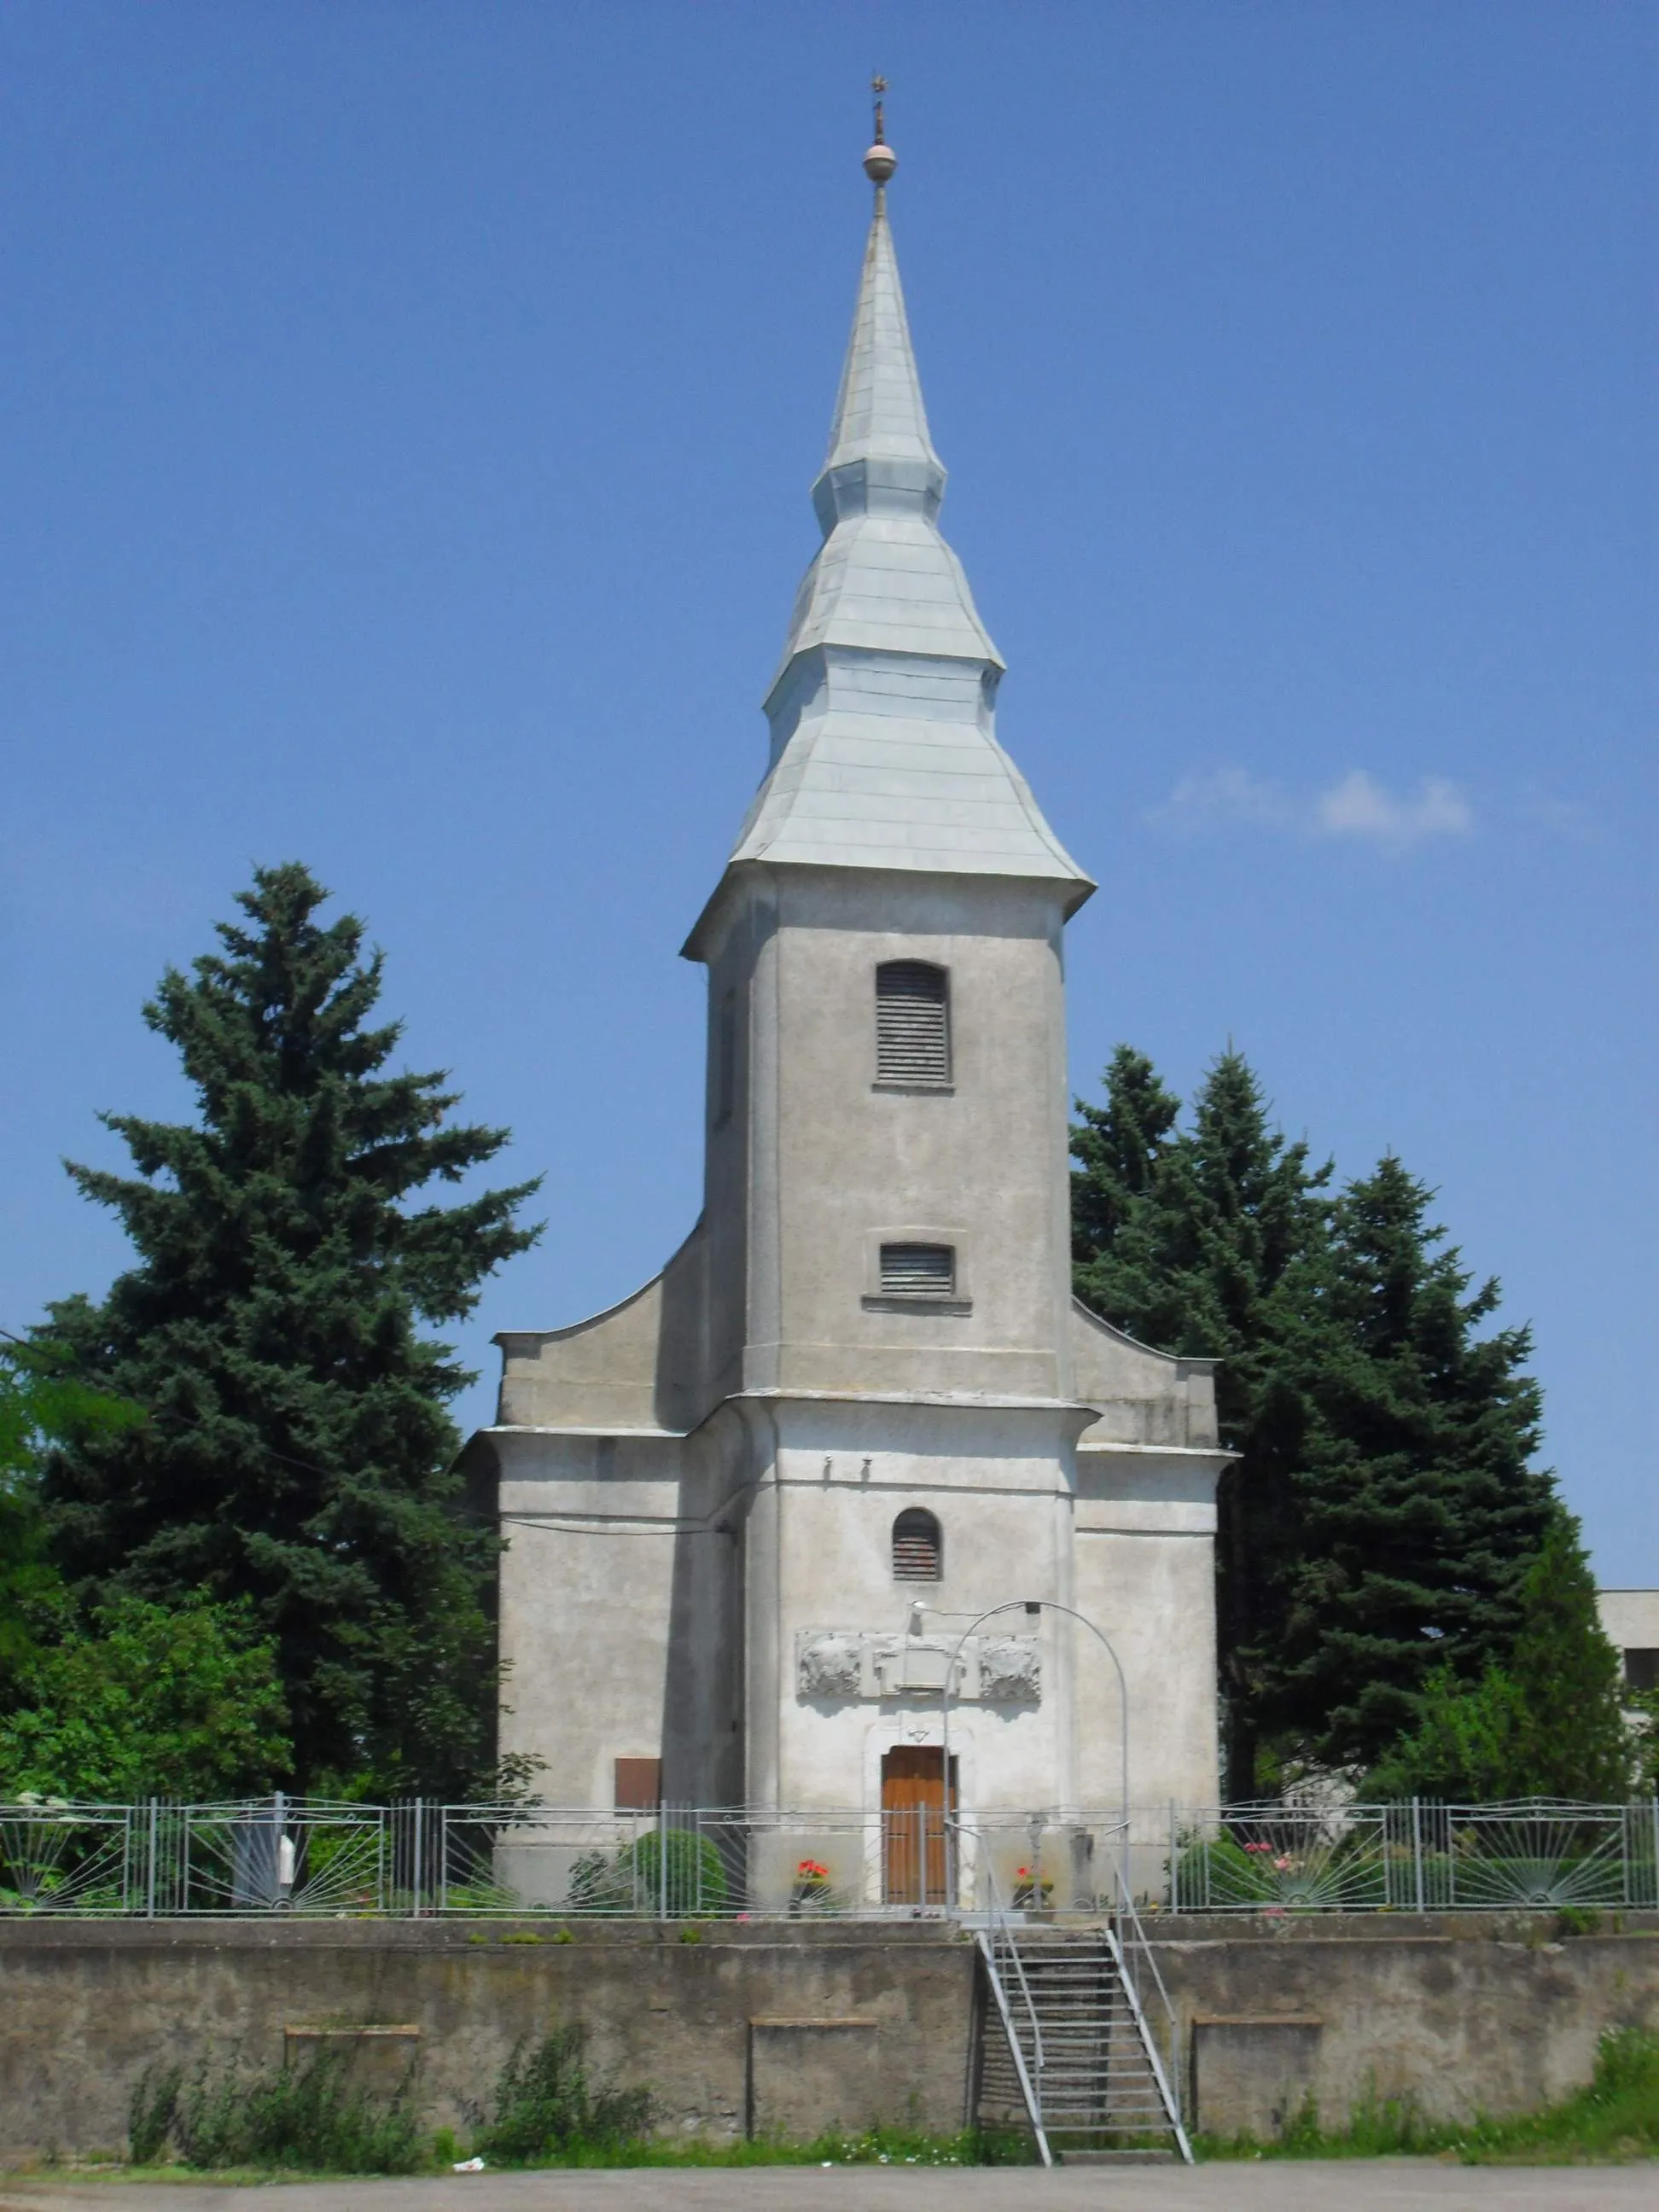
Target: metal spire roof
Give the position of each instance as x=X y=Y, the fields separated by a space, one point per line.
x=880 y=426
x=884 y=751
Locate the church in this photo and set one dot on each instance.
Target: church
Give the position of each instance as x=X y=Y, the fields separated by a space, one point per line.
x=756 y=1513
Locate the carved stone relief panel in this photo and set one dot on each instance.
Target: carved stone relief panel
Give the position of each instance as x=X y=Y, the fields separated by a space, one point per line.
x=829 y=1664
x=847 y=1663
x=1011 y=1670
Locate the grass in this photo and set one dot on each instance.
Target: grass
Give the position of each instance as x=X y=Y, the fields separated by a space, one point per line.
x=547 y=2110
x=1615 y=2117
x=876 y=2146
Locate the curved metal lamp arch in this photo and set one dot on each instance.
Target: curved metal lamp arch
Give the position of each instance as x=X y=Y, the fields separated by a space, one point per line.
x=1040 y=1605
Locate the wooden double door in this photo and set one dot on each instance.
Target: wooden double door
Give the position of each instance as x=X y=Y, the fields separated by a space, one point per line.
x=915 y=1859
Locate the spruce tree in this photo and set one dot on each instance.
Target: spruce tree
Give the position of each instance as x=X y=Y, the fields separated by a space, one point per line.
x=298 y=1452
x=1213 y=1245
x=1119 y=1148
x=1547 y=1723
x=1382 y=1510
x=1418 y=1511
x=1575 y=1742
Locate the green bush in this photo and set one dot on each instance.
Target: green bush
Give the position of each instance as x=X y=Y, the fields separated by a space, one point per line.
x=1295 y=1872
x=310 y=2117
x=547 y=2110
x=676 y=1871
x=145 y=1700
x=1217 y=1871
x=680 y=1870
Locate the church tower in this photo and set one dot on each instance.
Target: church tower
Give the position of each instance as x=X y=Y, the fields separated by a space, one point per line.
x=751 y=1510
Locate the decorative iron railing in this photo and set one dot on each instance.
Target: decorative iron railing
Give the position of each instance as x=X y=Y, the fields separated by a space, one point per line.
x=420 y=1858
x=1421 y=1856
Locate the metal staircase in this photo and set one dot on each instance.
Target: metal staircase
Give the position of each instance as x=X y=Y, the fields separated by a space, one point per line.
x=1067 y=2047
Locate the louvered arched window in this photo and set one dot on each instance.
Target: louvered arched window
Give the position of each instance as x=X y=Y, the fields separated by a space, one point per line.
x=912 y=1024
x=918 y=1547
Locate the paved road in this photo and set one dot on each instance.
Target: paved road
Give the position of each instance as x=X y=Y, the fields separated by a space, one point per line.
x=1372 y=2185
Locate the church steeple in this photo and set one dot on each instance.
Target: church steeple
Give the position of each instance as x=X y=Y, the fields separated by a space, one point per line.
x=880 y=455
x=871 y=1330
x=883 y=708
x=885 y=579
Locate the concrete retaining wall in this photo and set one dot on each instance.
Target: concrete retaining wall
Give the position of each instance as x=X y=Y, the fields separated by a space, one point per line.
x=1462 y=2015
x=765 y=2027
x=84 y=2007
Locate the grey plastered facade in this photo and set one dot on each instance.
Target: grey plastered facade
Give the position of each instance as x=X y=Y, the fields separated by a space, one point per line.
x=699 y=1487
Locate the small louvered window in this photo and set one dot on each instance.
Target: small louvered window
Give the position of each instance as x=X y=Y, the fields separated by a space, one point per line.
x=913 y=1023
x=918 y=1271
x=917 y=1549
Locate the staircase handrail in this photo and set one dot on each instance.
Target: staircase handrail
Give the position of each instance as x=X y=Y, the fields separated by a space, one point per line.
x=1166 y=2090
x=1129 y=1961
x=997 y=1927
x=1128 y=1912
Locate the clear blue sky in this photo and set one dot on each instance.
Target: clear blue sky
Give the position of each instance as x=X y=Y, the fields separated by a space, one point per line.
x=408 y=416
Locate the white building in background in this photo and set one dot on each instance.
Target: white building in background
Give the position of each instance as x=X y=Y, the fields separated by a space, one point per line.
x=1630 y=1621
x=862 y=1384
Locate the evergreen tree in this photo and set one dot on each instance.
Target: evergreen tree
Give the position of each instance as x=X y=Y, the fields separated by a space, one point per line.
x=1213 y=1245
x=1382 y=1508
x=1642 y=1707
x=1417 y=1510
x=1575 y=1742
x=298 y=1452
x=1119 y=1148
x=1548 y=1723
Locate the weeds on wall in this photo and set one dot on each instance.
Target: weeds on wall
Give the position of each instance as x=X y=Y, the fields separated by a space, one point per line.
x=547 y=2110
x=308 y=2117
x=1616 y=2116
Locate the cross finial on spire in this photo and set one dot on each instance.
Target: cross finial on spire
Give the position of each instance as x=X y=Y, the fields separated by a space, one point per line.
x=880 y=161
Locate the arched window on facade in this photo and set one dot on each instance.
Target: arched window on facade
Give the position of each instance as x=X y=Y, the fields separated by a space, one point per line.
x=912 y=1024
x=918 y=1546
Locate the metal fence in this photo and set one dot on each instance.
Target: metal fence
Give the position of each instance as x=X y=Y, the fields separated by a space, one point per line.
x=159 y=1859
x=417 y=1859
x=1420 y=1856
